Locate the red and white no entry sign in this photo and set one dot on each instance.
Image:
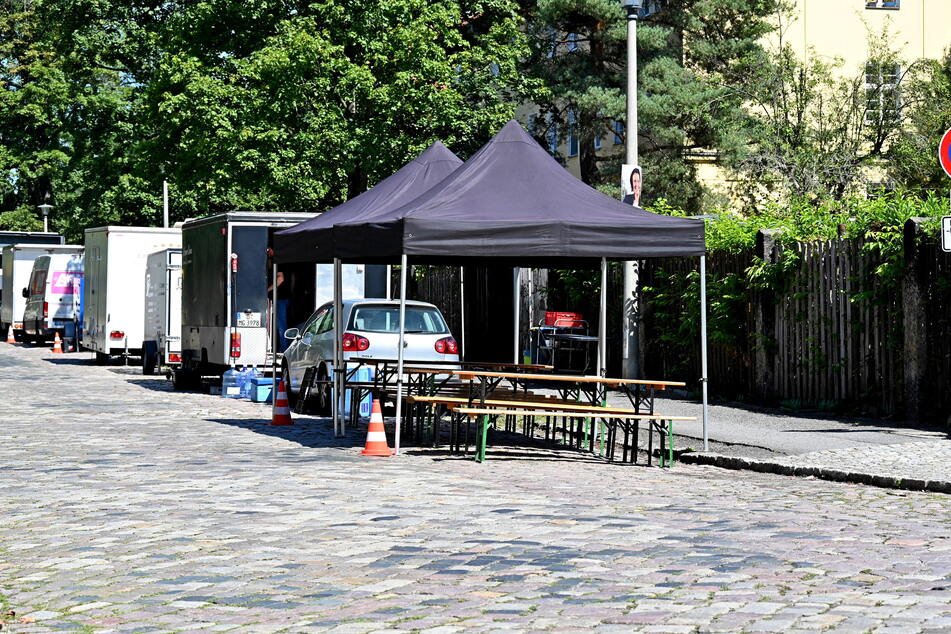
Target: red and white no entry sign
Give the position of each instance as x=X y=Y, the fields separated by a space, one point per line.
x=944 y=152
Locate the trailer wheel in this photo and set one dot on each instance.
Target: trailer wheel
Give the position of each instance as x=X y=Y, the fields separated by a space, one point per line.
x=149 y=357
x=102 y=358
x=185 y=379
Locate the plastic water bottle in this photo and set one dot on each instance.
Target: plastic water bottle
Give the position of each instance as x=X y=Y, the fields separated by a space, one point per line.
x=248 y=385
x=230 y=383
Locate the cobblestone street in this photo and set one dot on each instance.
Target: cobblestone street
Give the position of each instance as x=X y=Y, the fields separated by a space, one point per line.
x=129 y=507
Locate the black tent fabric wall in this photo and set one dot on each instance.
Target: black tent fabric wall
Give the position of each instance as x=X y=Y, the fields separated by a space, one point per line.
x=512 y=203
x=312 y=241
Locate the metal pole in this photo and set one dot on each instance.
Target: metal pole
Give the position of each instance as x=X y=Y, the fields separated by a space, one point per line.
x=274 y=345
x=630 y=344
x=46 y=225
x=517 y=296
x=603 y=321
x=462 y=312
x=339 y=365
x=389 y=276
x=703 y=346
x=165 y=203
x=399 y=357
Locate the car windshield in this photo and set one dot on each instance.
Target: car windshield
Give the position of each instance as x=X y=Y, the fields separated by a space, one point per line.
x=419 y=319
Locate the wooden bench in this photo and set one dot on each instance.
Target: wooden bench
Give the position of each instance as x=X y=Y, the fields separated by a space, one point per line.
x=617 y=418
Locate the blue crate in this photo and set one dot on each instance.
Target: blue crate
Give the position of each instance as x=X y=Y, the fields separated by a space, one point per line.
x=261 y=389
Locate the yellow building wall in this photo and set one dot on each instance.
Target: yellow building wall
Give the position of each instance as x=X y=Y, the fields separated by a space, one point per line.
x=840 y=29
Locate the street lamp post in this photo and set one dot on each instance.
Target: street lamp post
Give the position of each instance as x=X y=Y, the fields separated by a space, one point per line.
x=630 y=348
x=45 y=210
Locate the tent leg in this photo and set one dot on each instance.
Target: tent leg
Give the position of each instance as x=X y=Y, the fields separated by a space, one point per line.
x=603 y=321
x=703 y=347
x=399 y=356
x=518 y=309
x=274 y=345
x=339 y=365
x=462 y=311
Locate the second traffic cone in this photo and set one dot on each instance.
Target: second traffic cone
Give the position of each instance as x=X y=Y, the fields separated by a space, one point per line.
x=57 y=345
x=10 y=337
x=376 y=434
x=282 y=411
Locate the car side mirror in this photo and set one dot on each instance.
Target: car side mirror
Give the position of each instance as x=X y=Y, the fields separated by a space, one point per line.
x=292 y=333
x=25 y=293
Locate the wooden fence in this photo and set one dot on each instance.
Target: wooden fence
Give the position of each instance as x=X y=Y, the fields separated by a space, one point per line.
x=837 y=335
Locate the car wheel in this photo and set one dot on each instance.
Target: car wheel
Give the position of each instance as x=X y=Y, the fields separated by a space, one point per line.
x=323 y=393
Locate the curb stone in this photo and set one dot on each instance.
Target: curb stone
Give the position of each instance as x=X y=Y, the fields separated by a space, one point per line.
x=822 y=473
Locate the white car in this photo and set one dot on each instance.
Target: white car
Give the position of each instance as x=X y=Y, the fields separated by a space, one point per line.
x=372 y=331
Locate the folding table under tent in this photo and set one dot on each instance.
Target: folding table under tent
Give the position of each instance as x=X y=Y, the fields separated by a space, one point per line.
x=512 y=204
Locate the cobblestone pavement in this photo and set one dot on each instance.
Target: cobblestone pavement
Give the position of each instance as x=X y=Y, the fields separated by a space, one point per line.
x=127 y=507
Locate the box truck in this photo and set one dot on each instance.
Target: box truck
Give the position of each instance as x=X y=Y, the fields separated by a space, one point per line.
x=54 y=302
x=162 y=347
x=17 y=261
x=114 y=288
x=225 y=301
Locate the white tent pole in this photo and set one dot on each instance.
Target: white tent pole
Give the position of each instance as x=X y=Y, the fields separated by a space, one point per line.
x=339 y=366
x=274 y=345
x=399 y=357
x=462 y=311
x=703 y=346
x=389 y=273
x=603 y=321
x=518 y=309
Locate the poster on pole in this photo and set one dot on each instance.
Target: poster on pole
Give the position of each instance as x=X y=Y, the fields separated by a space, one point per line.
x=632 y=178
x=946 y=234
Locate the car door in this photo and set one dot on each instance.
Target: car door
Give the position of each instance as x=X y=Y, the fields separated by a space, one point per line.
x=303 y=349
x=323 y=347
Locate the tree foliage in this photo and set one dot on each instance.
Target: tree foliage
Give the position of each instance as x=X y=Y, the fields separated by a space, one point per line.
x=692 y=57
x=262 y=104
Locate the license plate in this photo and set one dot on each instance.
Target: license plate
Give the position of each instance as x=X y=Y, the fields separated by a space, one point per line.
x=248 y=320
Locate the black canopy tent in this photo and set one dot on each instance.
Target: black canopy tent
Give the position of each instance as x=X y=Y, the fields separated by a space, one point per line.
x=513 y=204
x=312 y=240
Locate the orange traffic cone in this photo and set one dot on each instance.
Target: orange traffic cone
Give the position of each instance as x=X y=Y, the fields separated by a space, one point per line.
x=57 y=345
x=282 y=411
x=10 y=337
x=376 y=434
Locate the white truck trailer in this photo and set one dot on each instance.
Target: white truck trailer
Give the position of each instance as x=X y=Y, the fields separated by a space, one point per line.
x=17 y=261
x=162 y=347
x=114 y=287
x=225 y=303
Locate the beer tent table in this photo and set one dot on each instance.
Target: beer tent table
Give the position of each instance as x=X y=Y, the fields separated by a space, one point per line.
x=512 y=204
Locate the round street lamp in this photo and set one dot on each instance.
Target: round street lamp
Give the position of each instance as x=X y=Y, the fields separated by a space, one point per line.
x=45 y=210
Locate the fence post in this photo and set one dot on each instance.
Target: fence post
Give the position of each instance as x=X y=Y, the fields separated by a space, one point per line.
x=915 y=350
x=764 y=334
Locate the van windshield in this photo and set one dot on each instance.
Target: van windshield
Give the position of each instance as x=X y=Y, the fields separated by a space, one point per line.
x=419 y=319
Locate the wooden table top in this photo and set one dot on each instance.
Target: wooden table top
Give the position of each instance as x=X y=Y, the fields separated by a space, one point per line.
x=472 y=374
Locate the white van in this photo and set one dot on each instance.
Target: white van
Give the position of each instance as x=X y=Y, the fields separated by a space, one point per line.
x=162 y=347
x=54 y=296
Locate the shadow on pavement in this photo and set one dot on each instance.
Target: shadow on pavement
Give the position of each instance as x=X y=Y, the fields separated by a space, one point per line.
x=68 y=360
x=307 y=432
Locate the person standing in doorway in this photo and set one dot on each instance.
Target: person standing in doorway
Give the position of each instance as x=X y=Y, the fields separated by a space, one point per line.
x=283 y=302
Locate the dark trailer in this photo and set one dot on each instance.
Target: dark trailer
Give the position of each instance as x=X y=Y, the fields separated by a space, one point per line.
x=226 y=308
